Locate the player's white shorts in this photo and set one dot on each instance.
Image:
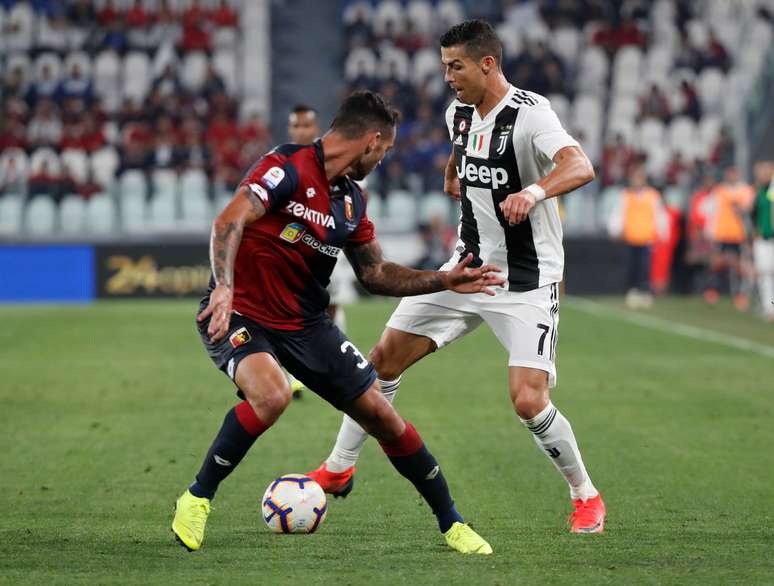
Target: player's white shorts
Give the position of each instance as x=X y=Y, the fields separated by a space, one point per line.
x=526 y=323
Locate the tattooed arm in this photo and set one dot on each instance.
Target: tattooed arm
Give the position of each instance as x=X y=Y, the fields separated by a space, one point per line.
x=382 y=277
x=245 y=208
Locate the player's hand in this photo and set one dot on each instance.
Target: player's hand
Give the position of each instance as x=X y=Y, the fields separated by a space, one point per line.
x=219 y=310
x=451 y=185
x=461 y=279
x=516 y=207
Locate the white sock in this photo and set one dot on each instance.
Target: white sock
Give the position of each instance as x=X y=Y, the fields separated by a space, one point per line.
x=553 y=435
x=351 y=436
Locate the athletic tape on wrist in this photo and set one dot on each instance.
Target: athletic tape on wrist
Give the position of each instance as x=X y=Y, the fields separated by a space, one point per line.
x=537 y=191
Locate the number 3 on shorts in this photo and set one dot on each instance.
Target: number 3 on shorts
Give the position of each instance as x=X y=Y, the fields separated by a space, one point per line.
x=363 y=361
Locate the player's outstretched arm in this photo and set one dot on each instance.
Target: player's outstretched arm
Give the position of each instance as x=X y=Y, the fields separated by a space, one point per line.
x=382 y=277
x=572 y=170
x=225 y=238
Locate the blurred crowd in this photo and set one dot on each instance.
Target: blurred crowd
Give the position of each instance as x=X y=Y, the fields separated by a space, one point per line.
x=64 y=129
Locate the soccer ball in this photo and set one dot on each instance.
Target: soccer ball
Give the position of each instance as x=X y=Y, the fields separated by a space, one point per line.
x=294 y=503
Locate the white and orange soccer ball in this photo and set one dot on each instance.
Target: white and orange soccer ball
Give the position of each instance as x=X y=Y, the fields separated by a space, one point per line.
x=294 y=503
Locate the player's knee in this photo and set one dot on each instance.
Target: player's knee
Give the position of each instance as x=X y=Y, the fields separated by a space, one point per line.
x=270 y=400
x=528 y=398
x=386 y=369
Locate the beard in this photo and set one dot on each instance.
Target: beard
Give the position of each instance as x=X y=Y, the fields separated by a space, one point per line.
x=359 y=171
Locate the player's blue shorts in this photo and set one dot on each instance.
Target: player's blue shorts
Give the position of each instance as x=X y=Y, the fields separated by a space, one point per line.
x=320 y=356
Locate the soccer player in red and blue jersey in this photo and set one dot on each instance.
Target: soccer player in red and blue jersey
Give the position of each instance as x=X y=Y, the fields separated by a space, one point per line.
x=272 y=251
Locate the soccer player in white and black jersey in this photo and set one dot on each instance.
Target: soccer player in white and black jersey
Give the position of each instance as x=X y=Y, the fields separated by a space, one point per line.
x=511 y=158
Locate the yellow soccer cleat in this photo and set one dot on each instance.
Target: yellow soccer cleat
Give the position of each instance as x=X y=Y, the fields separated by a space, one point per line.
x=462 y=538
x=296 y=386
x=191 y=514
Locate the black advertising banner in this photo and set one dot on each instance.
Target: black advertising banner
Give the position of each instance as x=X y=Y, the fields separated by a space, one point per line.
x=152 y=270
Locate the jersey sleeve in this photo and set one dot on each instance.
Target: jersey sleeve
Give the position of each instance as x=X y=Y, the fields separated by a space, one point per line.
x=274 y=179
x=546 y=132
x=450 y=119
x=365 y=231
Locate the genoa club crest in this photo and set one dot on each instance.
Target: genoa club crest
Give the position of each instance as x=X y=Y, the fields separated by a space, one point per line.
x=348 y=207
x=240 y=337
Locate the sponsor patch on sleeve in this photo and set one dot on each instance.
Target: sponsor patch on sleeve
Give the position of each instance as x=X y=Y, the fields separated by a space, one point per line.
x=258 y=190
x=273 y=177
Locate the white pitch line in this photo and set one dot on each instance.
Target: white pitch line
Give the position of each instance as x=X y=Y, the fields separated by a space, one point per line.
x=655 y=323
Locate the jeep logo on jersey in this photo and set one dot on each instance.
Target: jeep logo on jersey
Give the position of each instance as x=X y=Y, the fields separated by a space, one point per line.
x=478 y=173
x=273 y=177
x=299 y=210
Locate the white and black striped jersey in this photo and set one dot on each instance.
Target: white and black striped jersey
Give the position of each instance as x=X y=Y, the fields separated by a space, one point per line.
x=511 y=147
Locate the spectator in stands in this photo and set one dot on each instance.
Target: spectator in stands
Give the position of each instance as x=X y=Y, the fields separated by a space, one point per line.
x=224 y=15
x=617 y=160
x=168 y=83
x=359 y=30
x=108 y=14
x=392 y=176
x=691 y=106
x=437 y=241
x=411 y=39
x=167 y=153
x=196 y=154
x=14 y=84
x=196 y=36
x=254 y=136
x=715 y=54
x=13 y=177
x=82 y=14
x=74 y=136
x=130 y=112
x=134 y=157
x=723 y=153
x=639 y=220
x=679 y=172
x=763 y=232
x=228 y=164
x=726 y=209
x=46 y=181
x=14 y=134
x=213 y=84
x=612 y=38
x=220 y=129
x=654 y=104
x=93 y=134
x=45 y=87
x=137 y=16
x=114 y=38
x=45 y=127
x=75 y=85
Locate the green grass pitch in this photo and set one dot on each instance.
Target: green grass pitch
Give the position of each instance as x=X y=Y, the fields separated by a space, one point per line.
x=107 y=410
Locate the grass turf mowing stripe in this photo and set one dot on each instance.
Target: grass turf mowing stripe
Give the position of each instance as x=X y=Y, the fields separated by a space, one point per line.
x=655 y=323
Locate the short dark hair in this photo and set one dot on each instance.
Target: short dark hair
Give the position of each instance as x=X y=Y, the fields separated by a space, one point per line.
x=477 y=37
x=363 y=111
x=299 y=108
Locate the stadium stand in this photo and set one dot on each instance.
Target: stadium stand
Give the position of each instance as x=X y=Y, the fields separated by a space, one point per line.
x=93 y=92
x=123 y=116
x=634 y=81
